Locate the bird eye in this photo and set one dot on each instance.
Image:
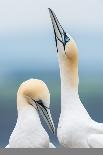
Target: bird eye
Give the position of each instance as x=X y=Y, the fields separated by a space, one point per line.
x=39 y=102
x=66 y=38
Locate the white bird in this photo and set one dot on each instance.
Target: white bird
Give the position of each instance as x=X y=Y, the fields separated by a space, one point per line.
x=76 y=129
x=33 y=96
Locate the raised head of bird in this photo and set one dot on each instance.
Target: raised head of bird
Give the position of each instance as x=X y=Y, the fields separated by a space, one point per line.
x=34 y=93
x=67 y=54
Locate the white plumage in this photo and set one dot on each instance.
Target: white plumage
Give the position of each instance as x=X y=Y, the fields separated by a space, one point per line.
x=76 y=129
x=33 y=96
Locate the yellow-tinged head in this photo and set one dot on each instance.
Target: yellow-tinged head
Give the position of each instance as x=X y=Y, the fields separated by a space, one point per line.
x=71 y=51
x=35 y=93
x=34 y=89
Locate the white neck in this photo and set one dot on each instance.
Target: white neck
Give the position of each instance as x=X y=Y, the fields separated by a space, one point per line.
x=69 y=80
x=26 y=110
x=28 y=132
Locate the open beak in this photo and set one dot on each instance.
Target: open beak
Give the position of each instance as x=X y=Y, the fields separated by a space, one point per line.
x=45 y=112
x=60 y=34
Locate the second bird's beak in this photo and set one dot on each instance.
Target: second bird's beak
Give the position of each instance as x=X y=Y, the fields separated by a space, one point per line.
x=60 y=34
x=45 y=112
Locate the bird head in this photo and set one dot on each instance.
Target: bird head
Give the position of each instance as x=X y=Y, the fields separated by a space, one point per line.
x=66 y=46
x=67 y=54
x=35 y=93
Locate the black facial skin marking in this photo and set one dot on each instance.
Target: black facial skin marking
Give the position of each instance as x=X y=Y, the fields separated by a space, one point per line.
x=47 y=118
x=40 y=103
x=66 y=39
x=64 y=36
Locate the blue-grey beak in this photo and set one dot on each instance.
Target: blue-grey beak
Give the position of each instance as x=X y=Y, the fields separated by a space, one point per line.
x=60 y=34
x=45 y=112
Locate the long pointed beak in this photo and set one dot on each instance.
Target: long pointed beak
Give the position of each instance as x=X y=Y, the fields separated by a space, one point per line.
x=60 y=34
x=45 y=112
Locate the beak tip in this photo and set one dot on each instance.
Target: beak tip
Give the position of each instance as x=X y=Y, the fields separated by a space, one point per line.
x=50 y=10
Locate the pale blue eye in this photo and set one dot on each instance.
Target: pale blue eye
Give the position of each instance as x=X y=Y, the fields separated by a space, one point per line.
x=67 y=39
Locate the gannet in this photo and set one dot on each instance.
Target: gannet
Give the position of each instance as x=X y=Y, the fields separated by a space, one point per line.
x=76 y=129
x=32 y=97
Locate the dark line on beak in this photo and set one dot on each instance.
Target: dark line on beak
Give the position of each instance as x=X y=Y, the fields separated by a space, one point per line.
x=64 y=34
x=49 y=119
x=55 y=18
x=54 y=29
x=40 y=104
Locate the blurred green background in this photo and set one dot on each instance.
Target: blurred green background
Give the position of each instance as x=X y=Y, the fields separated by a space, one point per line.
x=27 y=50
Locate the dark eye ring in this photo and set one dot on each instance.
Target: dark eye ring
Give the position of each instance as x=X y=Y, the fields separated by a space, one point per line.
x=40 y=102
x=66 y=38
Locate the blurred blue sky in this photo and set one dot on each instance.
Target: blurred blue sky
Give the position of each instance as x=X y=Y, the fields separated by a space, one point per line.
x=26 y=35
x=24 y=15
